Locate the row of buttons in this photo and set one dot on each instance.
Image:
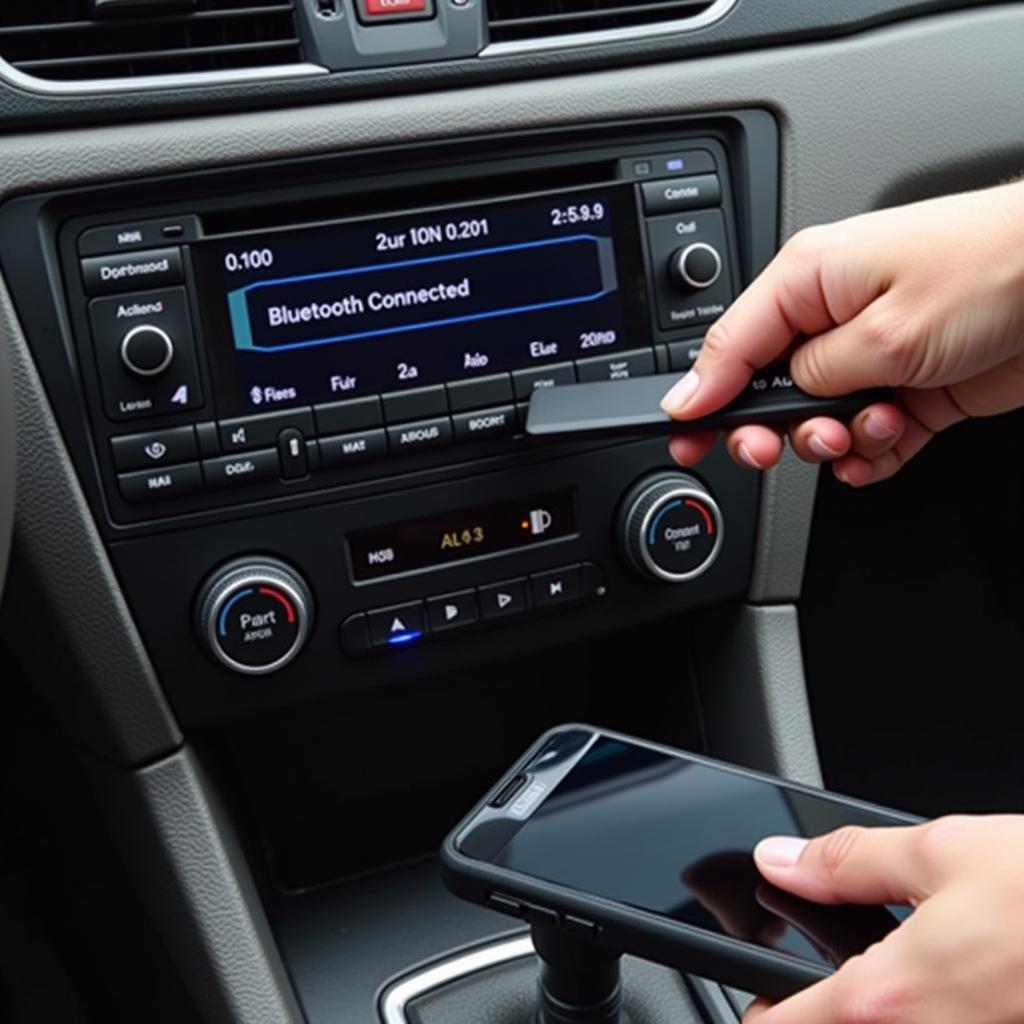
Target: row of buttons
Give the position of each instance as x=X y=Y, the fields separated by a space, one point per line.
x=158 y=465
x=403 y=624
x=537 y=914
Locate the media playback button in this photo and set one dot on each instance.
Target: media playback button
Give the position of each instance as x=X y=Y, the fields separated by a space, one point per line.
x=501 y=600
x=452 y=611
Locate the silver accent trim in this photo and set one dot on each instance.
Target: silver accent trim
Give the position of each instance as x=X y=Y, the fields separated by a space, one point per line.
x=679 y=265
x=168 y=351
x=225 y=585
x=397 y=998
x=147 y=83
x=715 y=12
x=680 y=491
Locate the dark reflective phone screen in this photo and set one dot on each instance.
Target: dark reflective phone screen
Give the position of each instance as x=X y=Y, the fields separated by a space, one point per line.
x=674 y=837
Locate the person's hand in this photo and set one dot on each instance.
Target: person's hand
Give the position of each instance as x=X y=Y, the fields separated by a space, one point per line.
x=926 y=298
x=958 y=958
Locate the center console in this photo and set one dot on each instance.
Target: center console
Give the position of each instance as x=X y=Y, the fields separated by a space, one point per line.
x=294 y=394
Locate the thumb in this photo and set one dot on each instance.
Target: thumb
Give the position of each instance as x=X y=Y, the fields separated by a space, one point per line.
x=850 y=865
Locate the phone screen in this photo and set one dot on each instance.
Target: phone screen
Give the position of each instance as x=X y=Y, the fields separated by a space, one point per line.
x=675 y=837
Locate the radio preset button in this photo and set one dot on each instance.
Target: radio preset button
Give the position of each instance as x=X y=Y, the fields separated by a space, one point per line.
x=246 y=432
x=618 y=367
x=238 y=470
x=417 y=404
x=452 y=611
x=158 y=448
x=420 y=437
x=161 y=484
x=485 y=424
x=478 y=392
x=501 y=600
x=103 y=275
x=525 y=382
x=397 y=625
x=342 y=417
x=675 y=194
x=351 y=448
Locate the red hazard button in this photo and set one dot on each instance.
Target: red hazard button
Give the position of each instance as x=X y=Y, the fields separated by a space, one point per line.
x=384 y=8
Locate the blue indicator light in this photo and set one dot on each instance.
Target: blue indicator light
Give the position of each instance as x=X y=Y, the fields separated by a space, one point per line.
x=408 y=637
x=675 y=165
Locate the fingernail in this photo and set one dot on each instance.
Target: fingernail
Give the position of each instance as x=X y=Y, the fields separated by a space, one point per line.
x=680 y=393
x=744 y=453
x=875 y=428
x=842 y=476
x=822 y=450
x=780 y=851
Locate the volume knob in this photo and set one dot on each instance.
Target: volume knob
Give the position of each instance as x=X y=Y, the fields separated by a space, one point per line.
x=254 y=615
x=147 y=351
x=671 y=527
x=695 y=267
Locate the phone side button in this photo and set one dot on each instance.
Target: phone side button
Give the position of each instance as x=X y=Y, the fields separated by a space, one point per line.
x=541 y=915
x=505 y=904
x=581 y=926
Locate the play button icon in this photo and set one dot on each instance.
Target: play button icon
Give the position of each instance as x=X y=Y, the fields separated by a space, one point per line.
x=500 y=600
x=452 y=611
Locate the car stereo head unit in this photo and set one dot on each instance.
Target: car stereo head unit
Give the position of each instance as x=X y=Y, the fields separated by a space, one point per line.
x=384 y=325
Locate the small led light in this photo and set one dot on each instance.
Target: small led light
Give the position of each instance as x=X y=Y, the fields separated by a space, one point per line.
x=397 y=639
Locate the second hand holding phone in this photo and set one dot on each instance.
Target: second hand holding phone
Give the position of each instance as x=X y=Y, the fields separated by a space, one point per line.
x=618 y=407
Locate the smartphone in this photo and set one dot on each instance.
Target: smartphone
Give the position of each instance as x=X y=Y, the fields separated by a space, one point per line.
x=649 y=851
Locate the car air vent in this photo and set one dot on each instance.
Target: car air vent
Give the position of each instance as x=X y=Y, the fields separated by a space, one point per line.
x=103 y=40
x=525 y=24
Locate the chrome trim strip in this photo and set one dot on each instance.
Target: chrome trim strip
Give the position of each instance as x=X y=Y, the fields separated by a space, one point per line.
x=398 y=997
x=717 y=10
x=146 y=83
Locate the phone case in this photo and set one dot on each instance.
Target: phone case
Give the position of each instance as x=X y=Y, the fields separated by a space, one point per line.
x=623 y=928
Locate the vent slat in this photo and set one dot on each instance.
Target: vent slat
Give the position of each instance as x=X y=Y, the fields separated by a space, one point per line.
x=100 y=27
x=536 y=19
x=63 y=42
x=192 y=53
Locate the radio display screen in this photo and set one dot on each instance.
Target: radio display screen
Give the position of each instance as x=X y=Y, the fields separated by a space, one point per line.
x=454 y=536
x=322 y=314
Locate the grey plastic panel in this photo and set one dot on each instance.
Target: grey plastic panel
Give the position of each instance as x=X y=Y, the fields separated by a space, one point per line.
x=751 y=677
x=70 y=624
x=181 y=850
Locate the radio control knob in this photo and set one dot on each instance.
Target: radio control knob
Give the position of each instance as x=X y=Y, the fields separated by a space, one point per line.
x=695 y=267
x=254 y=615
x=670 y=527
x=147 y=351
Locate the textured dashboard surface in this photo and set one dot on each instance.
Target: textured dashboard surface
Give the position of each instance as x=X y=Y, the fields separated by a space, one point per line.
x=7 y=456
x=752 y=23
x=188 y=867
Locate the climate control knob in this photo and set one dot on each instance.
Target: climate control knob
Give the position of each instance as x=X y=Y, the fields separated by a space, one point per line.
x=254 y=615
x=671 y=527
x=695 y=267
x=147 y=351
